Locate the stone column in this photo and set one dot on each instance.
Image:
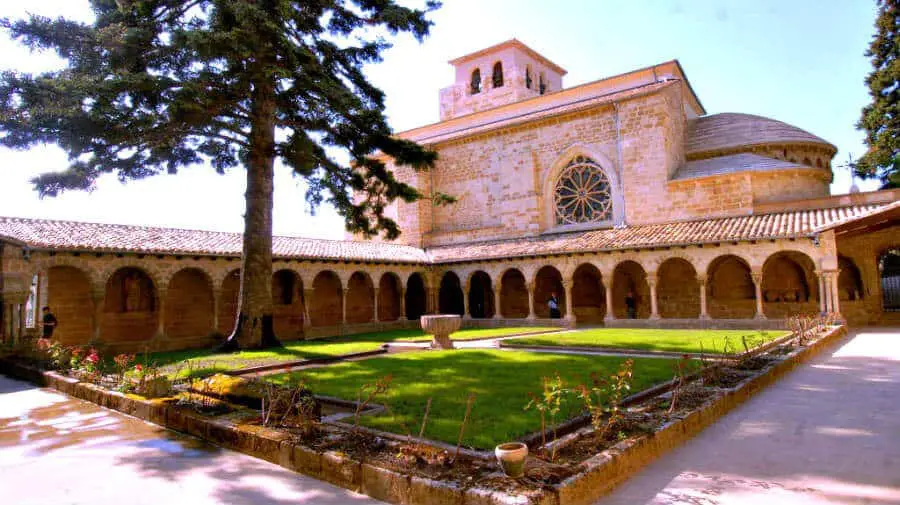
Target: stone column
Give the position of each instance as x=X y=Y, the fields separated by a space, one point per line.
x=654 y=303
x=346 y=291
x=98 y=297
x=610 y=313
x=835 y=295
x=531 y=314
x=701 y=281
x=466 y=302
x=162 y=293
x=217 y=308
x=497 y=314
x=402 y=304
x=757 y=286
x=570 y=312
x=820 y=277
x=375 y=305
x=307 y=296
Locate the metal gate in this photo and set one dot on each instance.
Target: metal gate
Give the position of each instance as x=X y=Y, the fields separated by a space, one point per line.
x=890 y=291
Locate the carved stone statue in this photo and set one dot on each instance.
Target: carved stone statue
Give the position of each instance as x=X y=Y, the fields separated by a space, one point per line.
x=133 y=292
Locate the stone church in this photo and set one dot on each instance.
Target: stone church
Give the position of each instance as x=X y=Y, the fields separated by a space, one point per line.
x=621 y=185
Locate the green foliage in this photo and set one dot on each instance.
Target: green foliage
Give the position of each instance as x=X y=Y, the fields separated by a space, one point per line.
x=681 y=341
x=152 y=86
x=881 y=118
x=549 y=402
x=603 y=396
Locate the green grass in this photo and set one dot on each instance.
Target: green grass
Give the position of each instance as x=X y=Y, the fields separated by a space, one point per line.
x=200 y=362
x=500 y=379
x=694 y=341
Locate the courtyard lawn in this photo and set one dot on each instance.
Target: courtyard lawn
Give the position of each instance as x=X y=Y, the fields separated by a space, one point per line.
x=691 y=341
x=202 y=362
x=501 y=381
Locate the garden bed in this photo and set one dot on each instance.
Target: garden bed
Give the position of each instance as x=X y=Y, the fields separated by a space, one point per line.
x=400 y=470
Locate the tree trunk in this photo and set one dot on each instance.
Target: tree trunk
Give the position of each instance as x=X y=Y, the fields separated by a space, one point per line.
x=253 y=328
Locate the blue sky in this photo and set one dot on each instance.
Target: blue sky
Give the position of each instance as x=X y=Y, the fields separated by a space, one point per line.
x=800 y=61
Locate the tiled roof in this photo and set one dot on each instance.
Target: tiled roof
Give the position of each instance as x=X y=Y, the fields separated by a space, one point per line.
x=741 y=162
x=70 y=235
x=757 y=227
x=730 y=130
x=75 y=236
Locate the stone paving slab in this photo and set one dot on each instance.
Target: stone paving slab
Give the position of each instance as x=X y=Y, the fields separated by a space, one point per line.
x=60 y=450
x=828 y=433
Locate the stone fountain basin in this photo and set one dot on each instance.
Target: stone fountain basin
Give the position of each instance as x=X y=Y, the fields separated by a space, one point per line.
x=440 y=326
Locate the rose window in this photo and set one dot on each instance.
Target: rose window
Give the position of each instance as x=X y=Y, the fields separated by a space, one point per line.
x=582 y=193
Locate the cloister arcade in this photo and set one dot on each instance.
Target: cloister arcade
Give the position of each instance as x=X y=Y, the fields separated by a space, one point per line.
x=180 y=302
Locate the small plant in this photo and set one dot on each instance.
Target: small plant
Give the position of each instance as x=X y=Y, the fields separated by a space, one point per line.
x=549 y=402
x=462 y=427
x=682 y=370
x=602 y=398
x=123 y=363
x=371 y=391
x=804 y=326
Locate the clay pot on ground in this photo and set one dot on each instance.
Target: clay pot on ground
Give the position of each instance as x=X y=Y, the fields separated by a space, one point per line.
x=511 y=457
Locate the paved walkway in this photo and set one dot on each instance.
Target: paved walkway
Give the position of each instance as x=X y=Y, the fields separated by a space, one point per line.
x=827 y=433
x=56 y=450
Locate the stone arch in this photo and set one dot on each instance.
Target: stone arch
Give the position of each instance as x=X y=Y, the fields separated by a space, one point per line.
x=70 y=299
x=228 y=302
x=588 y=294
x=416 y=296
x=326 y=308
x=547 y=281
x=513 y=294
x=390 y=291
x=677 y=289
x=850 y=284
x=481 y=295
x=789 y=285
x=730 y=288
x=189 y=304
x=560 y=164
x=288 y=304
x=450 y=296
x=111 y=268
x=360 y=298
x=630 y=276
x=96 y=278
x=130 y=306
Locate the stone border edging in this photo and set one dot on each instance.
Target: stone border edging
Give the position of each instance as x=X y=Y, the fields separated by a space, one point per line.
x=600 y=474
x=609 y=468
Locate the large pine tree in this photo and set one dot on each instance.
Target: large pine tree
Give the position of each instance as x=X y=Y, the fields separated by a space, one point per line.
x=155 y=85
x=881 y=118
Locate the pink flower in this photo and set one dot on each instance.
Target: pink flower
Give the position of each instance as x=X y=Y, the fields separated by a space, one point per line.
x=93 y=357
x=138 y=367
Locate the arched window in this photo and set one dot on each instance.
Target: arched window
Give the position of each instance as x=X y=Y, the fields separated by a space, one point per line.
x=542 y=85
x=497 y=76
x=528 y=79
x=582 y=193
x=475 y=85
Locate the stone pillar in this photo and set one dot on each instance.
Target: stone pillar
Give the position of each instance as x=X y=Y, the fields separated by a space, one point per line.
x=701 y=281
x=161 y=293
x=570 y=312
x=757 y=286
x=346 y=291
x=375 y=305
x=835 y=295
x=217 y=307
x=610 y=313
x=531 y=314
x=466 y=302
x=98 y=296
x=820 y=277
x=307 y=296
x=497 y=291
x=402 y=304
x=654 y=303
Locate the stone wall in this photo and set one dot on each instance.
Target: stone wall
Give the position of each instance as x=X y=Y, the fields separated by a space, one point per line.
x=862 y=252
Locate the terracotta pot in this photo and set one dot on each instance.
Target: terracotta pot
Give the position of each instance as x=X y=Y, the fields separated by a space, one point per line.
x=511 y=457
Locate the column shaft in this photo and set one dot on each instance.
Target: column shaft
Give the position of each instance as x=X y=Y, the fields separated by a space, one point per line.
x=610 y=313
x=375 y=306
x=654 y=303
x=570 y=310
x=497 y=314
x=531 y=314
x=757 y=287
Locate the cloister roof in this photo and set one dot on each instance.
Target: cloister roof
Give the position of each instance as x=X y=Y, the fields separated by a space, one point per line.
x=731 y=130
x=78 y=236
x=790 y=224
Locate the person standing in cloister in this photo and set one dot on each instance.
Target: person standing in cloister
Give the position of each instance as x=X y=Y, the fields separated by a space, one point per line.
x=49 y=323
x=553 y=304
x=631 y=305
